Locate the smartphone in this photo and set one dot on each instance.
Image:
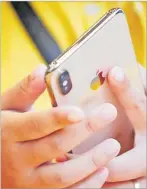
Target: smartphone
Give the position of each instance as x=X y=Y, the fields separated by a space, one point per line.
x=77 y=77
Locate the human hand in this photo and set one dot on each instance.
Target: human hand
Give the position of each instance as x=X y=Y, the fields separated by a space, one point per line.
x=30 y=140
x=132 y=164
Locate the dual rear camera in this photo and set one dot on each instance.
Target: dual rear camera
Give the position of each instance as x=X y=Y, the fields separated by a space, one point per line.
x=65 y=83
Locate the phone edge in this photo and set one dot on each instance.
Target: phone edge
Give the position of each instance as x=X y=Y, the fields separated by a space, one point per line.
x=84 y=38
x=72 y=49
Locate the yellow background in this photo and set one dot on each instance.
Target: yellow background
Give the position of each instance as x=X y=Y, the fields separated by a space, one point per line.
x=66 y=21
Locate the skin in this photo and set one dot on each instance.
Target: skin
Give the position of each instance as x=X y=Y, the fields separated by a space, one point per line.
x=134 y=105
x=31 y=140
x=130 y=165
x=91 y=176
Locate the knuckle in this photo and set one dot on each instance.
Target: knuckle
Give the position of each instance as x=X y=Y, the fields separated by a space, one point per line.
x=52 y=180
x=57 y=146
x=24 y=86
x=58 y=122
x=6 y=127
x=142 y=103
x=90 y=126
x=95 y=162
x=59 y=178
x=119 y=89
x=100 y=162
x=138 y=104
x=41 y=178
x=139 y=100
x=34 y=126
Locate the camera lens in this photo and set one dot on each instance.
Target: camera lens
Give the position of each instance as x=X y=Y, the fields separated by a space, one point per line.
x=62 y=77
x=66 y=88
x=65 y=83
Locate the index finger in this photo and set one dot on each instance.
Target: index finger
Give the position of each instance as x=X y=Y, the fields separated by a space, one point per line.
x=34 y=125
x=70 y=172
x=133 y=102
x=65 y=140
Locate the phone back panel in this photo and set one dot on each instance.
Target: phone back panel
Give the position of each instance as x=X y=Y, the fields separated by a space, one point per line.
x=109 y=46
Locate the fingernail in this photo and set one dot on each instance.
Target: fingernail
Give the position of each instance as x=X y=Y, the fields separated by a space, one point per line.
x=107 y=112
x=118 y=74
x=105 y=152
x=76 y=115
x=39 y=71
x=109 y=148
x=112 y=147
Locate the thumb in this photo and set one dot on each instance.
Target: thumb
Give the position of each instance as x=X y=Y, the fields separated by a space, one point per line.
x=22 y=95
x=132 y=100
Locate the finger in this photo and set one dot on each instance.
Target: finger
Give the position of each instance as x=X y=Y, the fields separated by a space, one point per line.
x=63 y=141
x=63 y=158
x=66 y=157
x=126 y=184
x=130 y=165
x=65 y=174
x=132 y=101
x=34 y=125
x=143 y=76
x=95 y=180
x=23 y=95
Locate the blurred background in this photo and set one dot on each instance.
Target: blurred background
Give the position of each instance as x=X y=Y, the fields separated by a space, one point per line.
x=64 y=22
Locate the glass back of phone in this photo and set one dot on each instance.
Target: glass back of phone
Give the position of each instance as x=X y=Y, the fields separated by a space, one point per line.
x=109 y=46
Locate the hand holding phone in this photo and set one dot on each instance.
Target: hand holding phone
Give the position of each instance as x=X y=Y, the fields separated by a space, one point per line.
x=77 y=77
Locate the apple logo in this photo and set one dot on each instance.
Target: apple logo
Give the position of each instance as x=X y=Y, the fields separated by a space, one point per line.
x=98 y=80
